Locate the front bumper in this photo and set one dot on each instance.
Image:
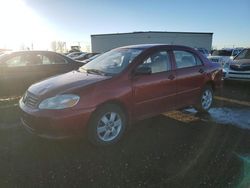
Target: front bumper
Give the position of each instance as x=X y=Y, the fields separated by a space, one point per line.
x=236 y=75
x=55 y=124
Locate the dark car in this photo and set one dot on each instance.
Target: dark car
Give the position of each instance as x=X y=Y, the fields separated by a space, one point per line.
x=239 y=68
x=74 y=55
x=18 y=70
x=118 y=88
x=90 y=59
x=85 y=56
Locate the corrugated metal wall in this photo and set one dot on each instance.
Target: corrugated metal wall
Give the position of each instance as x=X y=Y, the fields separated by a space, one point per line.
x=106 y=42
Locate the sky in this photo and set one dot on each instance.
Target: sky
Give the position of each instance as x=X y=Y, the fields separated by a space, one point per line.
x=38 y=22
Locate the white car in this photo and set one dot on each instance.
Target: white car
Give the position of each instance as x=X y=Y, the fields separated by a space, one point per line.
x=239 y=68
x=221 y=56
x=235 y=52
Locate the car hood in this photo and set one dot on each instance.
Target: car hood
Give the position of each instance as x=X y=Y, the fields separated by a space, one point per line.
x=218 y=57
x=242 y=61
x=64 y=82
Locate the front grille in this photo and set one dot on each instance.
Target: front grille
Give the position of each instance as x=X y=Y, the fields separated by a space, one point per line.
x=214 y=60
x=239 y=78
x=36 y=125
x=239 y=73
x=242 y=67
x=30 y=100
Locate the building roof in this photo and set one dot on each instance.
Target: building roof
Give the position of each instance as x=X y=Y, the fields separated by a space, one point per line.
x=147 y=32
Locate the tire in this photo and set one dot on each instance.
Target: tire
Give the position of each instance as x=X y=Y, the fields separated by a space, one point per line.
x=206 y=99
x=107 y=125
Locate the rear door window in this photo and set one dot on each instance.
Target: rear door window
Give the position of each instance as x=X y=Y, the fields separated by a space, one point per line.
x=185 y=59
x=24 y=60
x=59 y=60
x=16 y=61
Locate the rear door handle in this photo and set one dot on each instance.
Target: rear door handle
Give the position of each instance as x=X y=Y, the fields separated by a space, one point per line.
x=171 y=77
x=201 y=71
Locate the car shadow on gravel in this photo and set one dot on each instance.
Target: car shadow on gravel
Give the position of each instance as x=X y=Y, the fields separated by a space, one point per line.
x=157 y=152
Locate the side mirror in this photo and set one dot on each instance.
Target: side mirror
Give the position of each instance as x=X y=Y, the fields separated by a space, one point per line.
x=143 y=70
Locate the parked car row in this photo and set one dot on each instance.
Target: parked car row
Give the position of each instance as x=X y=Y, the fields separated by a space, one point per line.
x=20 y=69
x=90 y=59
x=74 y=55
x=106 y=92
x=225 y=55
x=81 y=56
x=235 y=63
x=117 y=88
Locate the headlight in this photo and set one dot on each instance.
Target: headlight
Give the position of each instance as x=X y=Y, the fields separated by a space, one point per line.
x=222 y=61
x=226 y=65
x=59 y=102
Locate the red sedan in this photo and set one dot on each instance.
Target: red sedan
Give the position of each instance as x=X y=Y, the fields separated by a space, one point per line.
x=119 y=87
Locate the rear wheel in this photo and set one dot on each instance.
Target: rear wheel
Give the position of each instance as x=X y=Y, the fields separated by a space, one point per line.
x=206 y=99
x=107 y=125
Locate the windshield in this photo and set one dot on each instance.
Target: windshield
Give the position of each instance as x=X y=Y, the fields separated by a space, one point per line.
x=222 y=53
x=236 y=52
x=112 y=62
x=245 y=54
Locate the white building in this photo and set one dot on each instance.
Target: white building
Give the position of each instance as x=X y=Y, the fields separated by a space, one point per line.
x=105 y=42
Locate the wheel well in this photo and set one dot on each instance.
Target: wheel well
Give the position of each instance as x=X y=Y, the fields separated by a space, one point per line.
x=210 y=83
x=117 y=103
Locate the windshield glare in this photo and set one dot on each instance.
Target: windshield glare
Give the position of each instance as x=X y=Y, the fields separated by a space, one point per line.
x=245 y=54
x=112 y=62
x=3 y=55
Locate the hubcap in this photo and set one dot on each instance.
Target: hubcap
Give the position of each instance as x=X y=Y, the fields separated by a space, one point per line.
x=206 y=99
x=109 y=126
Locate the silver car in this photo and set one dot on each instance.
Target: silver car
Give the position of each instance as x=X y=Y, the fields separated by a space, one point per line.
x=239 y=68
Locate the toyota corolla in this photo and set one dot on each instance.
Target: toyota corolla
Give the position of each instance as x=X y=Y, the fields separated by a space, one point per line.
x=118 y=88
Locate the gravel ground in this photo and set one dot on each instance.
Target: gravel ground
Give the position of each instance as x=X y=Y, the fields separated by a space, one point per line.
x=177 y=149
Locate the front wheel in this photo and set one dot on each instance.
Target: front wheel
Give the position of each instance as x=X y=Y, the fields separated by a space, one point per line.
x=107 y=125
x=206 y=100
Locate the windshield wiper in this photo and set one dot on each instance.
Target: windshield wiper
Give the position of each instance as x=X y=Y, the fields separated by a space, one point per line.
x=93 y=71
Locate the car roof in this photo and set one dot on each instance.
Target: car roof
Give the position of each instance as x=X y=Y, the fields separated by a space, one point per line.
x=147 y=46
x=31 y=51
x=45 y=52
